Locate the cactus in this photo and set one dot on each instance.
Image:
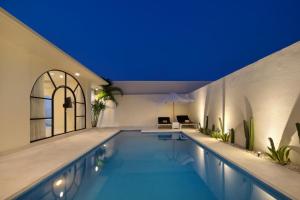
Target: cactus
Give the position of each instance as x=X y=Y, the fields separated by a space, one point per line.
x=213 y=127
x=232 y=135
x=249 y=134
x=206 y=123
x=280 y=155
x=298 y=130
x=221 y=125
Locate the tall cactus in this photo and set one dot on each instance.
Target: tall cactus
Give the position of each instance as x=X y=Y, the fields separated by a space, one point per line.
x=232 y=135
x=213 y=127
x=206 y=123
x=251 y=127
x=298 y=130
x=249 y=133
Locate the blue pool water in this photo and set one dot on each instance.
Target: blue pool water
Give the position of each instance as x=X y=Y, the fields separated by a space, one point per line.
x=137 y=166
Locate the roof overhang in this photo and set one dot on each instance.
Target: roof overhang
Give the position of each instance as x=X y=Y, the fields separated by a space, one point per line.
x=159 y=87
x=14 y=31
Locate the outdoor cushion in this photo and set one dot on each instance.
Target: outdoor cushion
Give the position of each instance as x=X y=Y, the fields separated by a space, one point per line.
x=164 y=120
x=183 y=119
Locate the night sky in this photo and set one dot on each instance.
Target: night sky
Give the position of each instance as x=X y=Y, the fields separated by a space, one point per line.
x=163 y=39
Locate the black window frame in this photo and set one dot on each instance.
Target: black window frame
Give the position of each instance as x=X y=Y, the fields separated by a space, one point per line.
x=56 y=87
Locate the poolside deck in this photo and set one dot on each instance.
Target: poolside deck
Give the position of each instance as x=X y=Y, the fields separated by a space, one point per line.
x=21 y=169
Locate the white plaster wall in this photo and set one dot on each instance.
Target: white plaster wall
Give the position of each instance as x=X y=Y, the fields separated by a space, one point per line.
x=20 y=66
x=143 y=110
x=268 y=90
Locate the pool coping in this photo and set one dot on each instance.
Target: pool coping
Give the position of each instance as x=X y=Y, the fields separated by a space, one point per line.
x=10 y=189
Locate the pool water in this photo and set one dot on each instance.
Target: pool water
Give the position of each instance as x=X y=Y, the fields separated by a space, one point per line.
x=145 y=166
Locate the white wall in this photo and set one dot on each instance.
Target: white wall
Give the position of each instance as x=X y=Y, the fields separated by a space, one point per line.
x=268 y=90
x=20 y=65
x=142 y=110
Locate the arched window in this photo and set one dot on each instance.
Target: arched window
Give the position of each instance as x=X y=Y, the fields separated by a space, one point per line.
x=57 y=105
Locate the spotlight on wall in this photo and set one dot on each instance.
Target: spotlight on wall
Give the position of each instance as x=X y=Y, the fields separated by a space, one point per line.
x=258 y=154
x=77 y=74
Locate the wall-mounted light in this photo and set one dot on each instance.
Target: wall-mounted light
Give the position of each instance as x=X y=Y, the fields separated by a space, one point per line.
x=58 y=182
x=77 y=74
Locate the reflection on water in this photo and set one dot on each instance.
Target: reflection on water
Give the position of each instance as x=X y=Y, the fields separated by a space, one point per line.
x=224 y=181
x=147 y=166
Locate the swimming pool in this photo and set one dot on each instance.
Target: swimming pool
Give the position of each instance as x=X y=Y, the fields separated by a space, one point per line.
x=143 y=166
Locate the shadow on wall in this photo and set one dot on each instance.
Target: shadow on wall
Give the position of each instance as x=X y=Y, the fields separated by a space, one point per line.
x=290 y=128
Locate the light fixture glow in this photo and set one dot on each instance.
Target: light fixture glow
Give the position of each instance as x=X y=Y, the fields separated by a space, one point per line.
x=77 y=74
x=105 y=145
x=61 y=76
x=96 y=168
x=61 y=194
x=258 y=154
x=58 y=182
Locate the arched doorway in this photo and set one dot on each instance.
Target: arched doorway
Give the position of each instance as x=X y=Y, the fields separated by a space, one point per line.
x=57 y=105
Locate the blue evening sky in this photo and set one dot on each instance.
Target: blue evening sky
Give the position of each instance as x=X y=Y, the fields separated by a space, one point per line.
x=163 y=39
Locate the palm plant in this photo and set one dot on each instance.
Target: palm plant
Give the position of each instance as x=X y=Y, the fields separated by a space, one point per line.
x=281 y=155
x=97 y=107
x=108 y=92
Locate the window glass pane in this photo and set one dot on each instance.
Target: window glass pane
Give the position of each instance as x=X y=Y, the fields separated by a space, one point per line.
x=43 y=87
x=70 y=112
x=40 y=108
x=58 y=77
x=80 y=109
x=71 y=82
x=40 y=129
x=80 y=122
x=79 y=95
x=59 y=111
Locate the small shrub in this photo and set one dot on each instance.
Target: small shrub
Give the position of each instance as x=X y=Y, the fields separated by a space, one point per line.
x=281 y=155
x=225 y=137
x=215 y=134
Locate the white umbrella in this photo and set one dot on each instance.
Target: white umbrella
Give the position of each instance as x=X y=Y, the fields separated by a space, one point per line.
x=173 y=97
